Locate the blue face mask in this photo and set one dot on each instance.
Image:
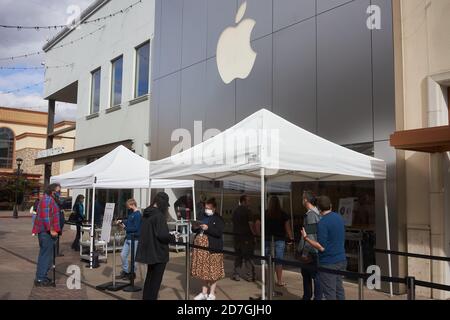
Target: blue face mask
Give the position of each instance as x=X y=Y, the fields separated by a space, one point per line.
x=57 y=194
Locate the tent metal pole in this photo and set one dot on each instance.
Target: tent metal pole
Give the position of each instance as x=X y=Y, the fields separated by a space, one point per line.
x=292 y=210
x=263 y=242
x=388 y=240
x=150 y=192
x=194 y=202
x=221 y=201
x=91 y=254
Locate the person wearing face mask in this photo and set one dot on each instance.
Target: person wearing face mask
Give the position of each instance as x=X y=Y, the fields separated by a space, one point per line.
x=153 y=247
x=208 y=265
x=78 y=212
x=47 y=226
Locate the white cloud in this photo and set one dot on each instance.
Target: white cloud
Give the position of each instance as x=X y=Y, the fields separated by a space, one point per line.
x=15 y=43
x=64 y=111
x=20 y=80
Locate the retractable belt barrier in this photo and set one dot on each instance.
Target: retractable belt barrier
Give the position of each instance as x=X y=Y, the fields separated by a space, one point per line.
x=410 y=282
x=412 y=255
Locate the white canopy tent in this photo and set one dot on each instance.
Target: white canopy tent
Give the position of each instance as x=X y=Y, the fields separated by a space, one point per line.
x=119 y=169
x=265 y=147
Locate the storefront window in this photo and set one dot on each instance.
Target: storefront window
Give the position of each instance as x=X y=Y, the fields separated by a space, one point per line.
x=142 y=69
x=6 y=148
x=103 y=196
x=116 y=82
x=95 y=91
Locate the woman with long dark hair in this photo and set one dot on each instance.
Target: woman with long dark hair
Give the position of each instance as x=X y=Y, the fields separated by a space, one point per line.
x=208 y=265
x=78 y=209
x=153 y=247
x=278 y=228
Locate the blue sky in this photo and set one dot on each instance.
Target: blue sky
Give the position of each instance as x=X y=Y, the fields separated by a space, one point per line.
x=14 y=42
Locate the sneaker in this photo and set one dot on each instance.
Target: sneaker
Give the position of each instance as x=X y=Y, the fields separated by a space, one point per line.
x=43 y=283
x=236 y=277
x=123 y=275
x=211 y=297
x=201 y=296
x=250 y=278
x=131 y=275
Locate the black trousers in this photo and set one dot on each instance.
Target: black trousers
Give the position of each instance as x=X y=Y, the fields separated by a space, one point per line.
x=153 y=281
x=244 y=248
x=311 y=280
x=76 y=242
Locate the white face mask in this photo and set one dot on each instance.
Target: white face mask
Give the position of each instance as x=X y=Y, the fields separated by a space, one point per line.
x=209 y=212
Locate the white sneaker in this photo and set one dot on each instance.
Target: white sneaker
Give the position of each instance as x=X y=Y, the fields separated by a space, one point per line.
x=211 y=297
x=201 y=296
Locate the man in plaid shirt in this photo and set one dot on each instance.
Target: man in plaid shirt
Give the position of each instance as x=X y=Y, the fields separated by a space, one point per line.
x=46 y=226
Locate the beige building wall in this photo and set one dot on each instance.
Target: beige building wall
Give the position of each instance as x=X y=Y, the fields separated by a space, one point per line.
x=30 y=131
x=424 y=51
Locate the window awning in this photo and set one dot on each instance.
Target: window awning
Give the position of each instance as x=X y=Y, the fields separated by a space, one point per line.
x=85 y=153
x=430 y=140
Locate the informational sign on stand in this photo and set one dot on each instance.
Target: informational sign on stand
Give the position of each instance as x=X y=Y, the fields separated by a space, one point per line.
x=346 y=206
x=107 y=222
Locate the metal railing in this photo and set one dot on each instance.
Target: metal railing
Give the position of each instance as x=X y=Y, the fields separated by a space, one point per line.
x=410 y=282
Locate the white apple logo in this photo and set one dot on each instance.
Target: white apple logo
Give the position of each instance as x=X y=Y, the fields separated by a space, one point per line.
x=235 y=56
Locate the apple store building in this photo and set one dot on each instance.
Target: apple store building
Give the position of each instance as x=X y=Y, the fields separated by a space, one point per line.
x=324 y=65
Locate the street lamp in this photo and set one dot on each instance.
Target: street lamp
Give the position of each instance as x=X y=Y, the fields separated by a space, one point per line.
x=19 y=162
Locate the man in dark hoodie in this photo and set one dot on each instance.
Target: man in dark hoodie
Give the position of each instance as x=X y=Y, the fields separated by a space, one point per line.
x=153 y=247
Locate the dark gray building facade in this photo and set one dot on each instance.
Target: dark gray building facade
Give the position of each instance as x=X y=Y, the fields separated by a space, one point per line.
x=318 y=65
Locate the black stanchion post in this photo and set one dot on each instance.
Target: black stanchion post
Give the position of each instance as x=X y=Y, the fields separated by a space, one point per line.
x=188 y=261
x=54 y=263
x=411 y=288
x=131 y=287
x=113 y=285
x=271 y=274
x=360 y=270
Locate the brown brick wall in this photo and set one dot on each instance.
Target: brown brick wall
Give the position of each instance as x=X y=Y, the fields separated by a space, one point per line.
x=29 y=155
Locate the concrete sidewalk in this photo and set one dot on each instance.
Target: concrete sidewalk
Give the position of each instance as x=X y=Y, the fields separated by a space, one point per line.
x=18 y=256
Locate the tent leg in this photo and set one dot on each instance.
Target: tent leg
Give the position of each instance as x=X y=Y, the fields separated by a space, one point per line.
x=263 y=242
x=150 y=192
x=388 y=240
x=292 y=210
x=221 y=202
x=194 y=202
x=91 y=253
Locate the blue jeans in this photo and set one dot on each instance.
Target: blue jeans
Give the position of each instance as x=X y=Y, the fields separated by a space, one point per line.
x=124 y=255
x=331 y=284
x=279 y=250
x=45 y=258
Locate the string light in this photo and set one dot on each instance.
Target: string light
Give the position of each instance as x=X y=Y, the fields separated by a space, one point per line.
x=24 y=88
x=62 y=26
x=37 y=68
x=27 y=55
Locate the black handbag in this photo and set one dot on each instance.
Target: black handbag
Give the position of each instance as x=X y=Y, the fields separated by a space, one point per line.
x=73 y=217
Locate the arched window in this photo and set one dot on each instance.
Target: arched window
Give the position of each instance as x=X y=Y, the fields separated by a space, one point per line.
x=6 y=148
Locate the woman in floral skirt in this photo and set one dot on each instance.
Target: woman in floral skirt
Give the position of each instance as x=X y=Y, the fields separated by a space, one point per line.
x=207 y=265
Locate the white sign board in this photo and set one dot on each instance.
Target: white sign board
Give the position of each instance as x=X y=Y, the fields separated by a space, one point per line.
x=107 y=222
x=346 y=206
x=50 y=152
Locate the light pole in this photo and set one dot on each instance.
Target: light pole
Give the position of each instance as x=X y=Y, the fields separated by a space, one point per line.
x=19 y=162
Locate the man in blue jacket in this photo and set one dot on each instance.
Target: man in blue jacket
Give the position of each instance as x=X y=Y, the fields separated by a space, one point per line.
x=132 y=226
x=331 y=246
